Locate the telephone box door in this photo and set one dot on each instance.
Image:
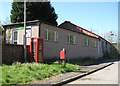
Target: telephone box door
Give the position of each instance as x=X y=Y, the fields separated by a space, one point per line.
x=36 y=49
x=40 y=50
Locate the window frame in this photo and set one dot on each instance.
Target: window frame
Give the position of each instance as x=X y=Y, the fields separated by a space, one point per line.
x=94 y=43
x=74 y=39
x=46 y=34
x=55 y=35
x=15 y=41
x=28 y=29
x=85 y=41
x=69 y=39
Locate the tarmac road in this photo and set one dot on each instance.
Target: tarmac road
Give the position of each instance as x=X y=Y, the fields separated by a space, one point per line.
x=108 y=75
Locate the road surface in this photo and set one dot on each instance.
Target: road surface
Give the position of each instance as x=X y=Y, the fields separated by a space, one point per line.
x=108 y=75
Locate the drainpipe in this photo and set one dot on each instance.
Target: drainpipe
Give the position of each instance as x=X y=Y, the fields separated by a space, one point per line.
x=98 y=48
x=39 y=29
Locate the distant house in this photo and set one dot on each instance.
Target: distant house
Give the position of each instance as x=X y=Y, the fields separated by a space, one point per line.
x=78 y=42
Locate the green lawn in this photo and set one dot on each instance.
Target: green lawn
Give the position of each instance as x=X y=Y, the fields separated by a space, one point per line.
x=27 y=72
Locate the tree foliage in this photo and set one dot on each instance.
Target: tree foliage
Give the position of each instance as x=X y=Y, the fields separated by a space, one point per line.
x=34 y=11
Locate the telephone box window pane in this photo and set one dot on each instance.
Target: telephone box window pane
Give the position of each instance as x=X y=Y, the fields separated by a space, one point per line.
x=40 y=51
x=45 y=34
x=15 y=35
x=51 y=35
x=33 y=53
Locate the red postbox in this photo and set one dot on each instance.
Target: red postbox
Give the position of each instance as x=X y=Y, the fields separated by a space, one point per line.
x=63 y=54
x=36 y=50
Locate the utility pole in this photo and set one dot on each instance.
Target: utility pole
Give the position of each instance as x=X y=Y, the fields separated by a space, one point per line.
x=25 y=54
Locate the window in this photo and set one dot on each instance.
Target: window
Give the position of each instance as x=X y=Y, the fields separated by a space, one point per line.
x=56 y=36
x=74 y=39
x=71 y=39
x=28 y=31
x=50 y=35
x=15 y=36
x=45 y=34
x=85 y=42
x=94 y=43
x=68 y=38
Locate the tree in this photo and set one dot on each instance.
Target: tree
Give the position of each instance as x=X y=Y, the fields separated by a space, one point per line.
x=34 y=11
x=1 y=33
x=111 y=37
x=8 y=33
x=7 y=21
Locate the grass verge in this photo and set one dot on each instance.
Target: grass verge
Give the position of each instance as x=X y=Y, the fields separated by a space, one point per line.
x=27 y=72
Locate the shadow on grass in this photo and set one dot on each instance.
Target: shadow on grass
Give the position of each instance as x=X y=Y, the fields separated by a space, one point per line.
x=82 y=62
x=90 y=61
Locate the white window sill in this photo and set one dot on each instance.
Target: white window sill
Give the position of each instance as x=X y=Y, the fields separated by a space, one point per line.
x=72 y=43
x=51 y=41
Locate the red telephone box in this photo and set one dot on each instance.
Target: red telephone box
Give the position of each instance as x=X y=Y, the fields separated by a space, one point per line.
x=36 y=50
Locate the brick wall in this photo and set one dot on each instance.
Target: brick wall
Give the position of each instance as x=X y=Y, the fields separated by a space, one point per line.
x=12 y=53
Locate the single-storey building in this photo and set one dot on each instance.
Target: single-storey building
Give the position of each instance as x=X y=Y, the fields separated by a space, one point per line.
x=78 y=42
x=103 y=45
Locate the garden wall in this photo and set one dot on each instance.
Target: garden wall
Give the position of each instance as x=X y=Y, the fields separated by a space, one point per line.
x=12 y=53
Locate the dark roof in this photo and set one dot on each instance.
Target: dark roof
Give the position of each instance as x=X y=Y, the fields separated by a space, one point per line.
x=77 y=27
x=83 y=29
x=38 y=21
x=11 y=24
x=28 y=22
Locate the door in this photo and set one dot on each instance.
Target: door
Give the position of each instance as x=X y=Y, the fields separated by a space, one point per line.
x=102 y=47
x=15 y=37
x=40 y=50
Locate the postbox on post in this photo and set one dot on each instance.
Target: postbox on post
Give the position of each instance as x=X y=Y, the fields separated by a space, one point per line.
x=63 y=56
x=36 y=50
